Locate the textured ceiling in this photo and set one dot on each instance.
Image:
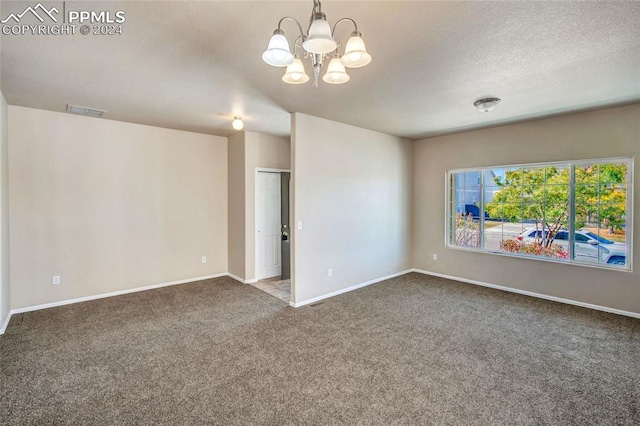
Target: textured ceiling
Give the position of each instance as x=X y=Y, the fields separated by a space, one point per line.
x=193 y=65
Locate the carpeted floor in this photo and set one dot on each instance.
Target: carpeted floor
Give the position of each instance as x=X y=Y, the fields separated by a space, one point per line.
x=411 y=350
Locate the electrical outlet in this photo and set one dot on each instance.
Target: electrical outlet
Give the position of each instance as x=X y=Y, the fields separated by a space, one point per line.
x=330 y=272
x=299 y=224
x=56 y=280
x=204 y=259
x=435 y=256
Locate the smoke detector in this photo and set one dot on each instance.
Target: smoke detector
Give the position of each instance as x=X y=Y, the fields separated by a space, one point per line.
x=79 y=110
x=487 y=104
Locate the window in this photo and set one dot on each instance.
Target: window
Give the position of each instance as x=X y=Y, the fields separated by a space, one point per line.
x=573 y=212
x=581 y=238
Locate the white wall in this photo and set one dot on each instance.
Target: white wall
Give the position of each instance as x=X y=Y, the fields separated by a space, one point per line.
x=606 y=133
x=352 y=190
x=5 y=293
x=110 y=206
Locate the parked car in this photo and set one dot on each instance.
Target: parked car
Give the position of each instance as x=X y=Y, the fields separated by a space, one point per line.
x=589 y=247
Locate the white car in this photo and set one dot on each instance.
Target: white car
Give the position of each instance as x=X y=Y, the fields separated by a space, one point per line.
x=589 y=247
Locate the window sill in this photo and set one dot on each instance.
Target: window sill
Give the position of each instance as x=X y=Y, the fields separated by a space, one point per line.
x=542 y=259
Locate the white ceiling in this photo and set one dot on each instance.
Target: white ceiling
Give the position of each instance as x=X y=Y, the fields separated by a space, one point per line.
x=193 y=65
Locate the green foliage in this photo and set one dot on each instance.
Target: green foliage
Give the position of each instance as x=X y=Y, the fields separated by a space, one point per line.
x=541 y=194
x=601 y=198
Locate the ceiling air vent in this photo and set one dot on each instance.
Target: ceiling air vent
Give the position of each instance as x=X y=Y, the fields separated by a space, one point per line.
x=75 y=109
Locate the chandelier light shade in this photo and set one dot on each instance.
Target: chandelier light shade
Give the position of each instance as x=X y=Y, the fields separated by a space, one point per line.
x=319 y=40
x=318 y=44
x=295 y=73
x=336 y=74
x=355 y=53
x=278 y=53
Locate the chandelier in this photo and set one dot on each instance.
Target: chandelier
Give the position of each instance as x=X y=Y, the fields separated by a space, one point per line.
x=318 y=44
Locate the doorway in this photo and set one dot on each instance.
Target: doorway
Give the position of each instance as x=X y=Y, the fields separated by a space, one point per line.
x=273 y=233
x=268 y=249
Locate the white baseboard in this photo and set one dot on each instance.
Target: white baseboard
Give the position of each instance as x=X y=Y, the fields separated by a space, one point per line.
x=103 y=295
x=5 y=324
x=348 y=289
x=242 y=280
x=317 y=299
x=237 y=278
x=532 y=294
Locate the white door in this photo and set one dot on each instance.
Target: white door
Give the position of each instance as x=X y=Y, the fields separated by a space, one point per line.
x=268 y=220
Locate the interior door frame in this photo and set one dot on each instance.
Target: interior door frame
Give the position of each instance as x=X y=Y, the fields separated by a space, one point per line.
x=255 y=211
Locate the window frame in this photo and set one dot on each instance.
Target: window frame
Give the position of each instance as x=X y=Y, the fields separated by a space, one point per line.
x=571 y=164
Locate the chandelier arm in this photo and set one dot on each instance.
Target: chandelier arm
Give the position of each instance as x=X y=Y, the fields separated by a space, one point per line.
x=333 y=32
x=294 y=20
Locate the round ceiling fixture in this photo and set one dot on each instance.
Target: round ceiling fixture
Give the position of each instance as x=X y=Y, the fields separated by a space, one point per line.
x=237 y=123
x=487 y=104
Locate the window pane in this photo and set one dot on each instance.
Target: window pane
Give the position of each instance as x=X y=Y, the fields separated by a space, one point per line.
x=494 y=178
x=465 y=210
x=513 y=177
x=613 y=173
x=512 y=212
x=601 y=214
x=467 y=231
x=556 y=193
x=512 y=236
x=533 y=194
x=586 y=194
x=533 y=176
x=556 y=215
x=586 y=174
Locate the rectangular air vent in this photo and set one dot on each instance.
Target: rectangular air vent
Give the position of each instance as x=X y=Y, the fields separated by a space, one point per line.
x=91 y=112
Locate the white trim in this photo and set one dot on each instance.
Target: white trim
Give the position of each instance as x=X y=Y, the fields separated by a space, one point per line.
x=242 y=280
x=532 y=294
x=348 y=289
x=113 y=293
x=235 y=277
x=269 y=170
x=579 y=263
x=546 y=163
x=6 y=323
x=255 y=216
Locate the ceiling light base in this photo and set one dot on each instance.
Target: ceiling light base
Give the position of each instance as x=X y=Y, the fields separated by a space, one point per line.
x=487 y=104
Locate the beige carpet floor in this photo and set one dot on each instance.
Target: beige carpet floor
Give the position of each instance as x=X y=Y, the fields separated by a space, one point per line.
x=410 y=350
